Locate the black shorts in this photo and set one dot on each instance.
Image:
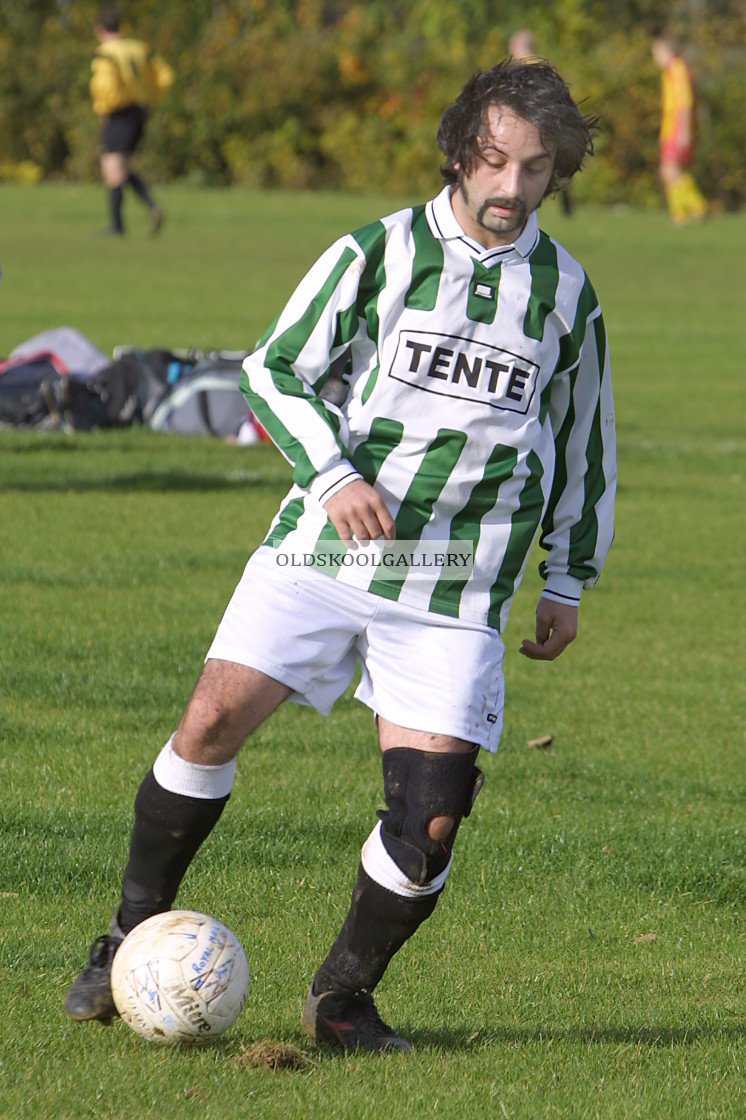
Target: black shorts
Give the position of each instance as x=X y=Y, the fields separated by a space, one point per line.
x=122 y=130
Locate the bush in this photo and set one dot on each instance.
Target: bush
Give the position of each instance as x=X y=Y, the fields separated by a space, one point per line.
x=306 y=93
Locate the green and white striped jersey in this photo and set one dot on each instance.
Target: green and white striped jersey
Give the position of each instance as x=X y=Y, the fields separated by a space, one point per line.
x=479 y=405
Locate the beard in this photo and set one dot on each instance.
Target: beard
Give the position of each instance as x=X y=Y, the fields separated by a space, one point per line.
x=516 y=220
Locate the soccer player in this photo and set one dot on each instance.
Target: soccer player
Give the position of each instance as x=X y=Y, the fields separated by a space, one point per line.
x=478 y=413
x=677 y=133
x=127 y=77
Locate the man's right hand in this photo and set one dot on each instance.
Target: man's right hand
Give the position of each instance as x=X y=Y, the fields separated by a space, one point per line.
x=358 y=511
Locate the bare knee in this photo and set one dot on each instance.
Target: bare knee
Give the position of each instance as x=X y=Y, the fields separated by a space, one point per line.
x=114 y=169
x=206 y=734
x=669 y=173
x=440 y=828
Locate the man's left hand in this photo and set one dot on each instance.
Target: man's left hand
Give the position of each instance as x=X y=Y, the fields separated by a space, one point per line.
x=556 y=627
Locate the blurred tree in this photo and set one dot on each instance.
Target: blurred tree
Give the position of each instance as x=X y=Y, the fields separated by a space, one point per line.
x=348 y=93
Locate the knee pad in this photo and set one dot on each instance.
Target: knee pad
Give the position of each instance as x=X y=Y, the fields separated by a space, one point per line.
x=420 y=785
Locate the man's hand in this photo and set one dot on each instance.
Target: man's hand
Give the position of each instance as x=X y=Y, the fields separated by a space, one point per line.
x=359 y=511
x=556 y=627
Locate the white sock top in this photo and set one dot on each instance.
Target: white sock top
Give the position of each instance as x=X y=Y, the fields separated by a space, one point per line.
x=192 y=779
x=380 y=866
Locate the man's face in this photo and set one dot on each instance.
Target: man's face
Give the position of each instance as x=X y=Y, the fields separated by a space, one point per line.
x=509 y=177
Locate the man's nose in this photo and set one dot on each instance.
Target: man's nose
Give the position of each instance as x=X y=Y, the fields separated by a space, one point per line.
x=511 y=179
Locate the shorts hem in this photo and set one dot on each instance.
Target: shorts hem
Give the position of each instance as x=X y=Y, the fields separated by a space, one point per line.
x=415 y=723
x=277 y=672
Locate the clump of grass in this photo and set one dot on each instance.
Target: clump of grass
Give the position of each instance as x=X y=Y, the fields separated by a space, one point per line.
x=273 y=1055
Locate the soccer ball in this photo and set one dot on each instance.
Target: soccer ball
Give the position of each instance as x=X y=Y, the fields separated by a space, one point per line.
x=180 y=976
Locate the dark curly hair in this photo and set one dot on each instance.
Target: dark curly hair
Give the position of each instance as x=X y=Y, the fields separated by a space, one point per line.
x=534 y=91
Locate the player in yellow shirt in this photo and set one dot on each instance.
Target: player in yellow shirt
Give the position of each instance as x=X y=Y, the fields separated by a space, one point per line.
x=677 y=131
x=127 y=77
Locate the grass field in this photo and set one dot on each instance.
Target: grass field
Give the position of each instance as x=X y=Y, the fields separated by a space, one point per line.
x=587 y=957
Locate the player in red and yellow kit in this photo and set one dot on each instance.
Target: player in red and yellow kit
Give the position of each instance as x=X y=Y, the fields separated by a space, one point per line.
x=677 y=132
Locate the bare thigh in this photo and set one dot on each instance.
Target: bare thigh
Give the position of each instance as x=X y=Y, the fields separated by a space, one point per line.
x=114 y=168
x=229 y=701
x=391 y=735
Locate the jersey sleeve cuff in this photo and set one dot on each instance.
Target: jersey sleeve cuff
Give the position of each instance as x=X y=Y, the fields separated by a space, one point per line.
x=563 y=589
x=330 y=481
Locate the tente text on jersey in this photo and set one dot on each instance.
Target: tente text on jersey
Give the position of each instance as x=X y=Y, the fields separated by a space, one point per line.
x=464 y=369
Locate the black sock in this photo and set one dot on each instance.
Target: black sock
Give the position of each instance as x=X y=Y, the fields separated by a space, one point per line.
x=140 y=190
x=168 y=830
x=376 y=927
x=115 y=209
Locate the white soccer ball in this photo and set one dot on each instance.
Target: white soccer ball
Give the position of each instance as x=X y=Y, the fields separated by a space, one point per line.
x=180 y=976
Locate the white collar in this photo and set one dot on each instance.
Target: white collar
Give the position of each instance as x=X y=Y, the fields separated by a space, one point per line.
x=444 y=225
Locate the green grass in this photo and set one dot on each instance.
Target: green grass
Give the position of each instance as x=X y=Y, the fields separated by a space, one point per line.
x=538 y=988
x=215 y=277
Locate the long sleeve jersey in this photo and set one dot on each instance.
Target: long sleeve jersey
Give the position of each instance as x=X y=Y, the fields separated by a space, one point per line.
x=478 y=405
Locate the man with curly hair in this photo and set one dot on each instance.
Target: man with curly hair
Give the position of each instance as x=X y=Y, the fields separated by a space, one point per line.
x=477 y=413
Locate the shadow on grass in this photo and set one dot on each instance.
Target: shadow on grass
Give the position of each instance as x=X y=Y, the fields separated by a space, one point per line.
x=309 y=1056
x=152 y=481
x=295 y=1053
x=663 y=1036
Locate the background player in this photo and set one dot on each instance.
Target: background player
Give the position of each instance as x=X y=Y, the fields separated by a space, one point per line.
x=126 y=78
x=677 y=134
x=478 y=410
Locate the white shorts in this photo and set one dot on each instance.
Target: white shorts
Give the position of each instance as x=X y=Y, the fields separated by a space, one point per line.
x=420 y=670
